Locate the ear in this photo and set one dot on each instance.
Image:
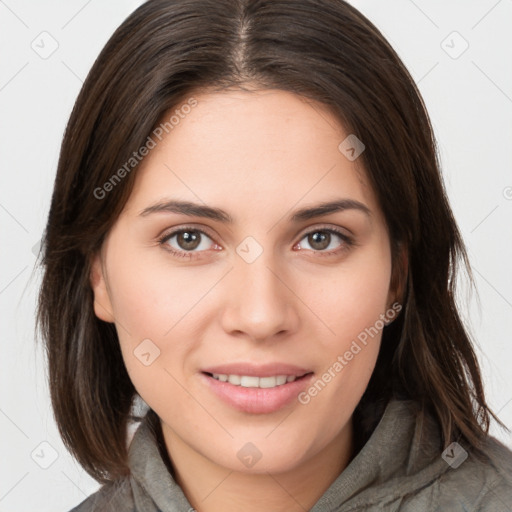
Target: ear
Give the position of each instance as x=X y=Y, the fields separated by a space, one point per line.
x=399 y=276
x=102 y=302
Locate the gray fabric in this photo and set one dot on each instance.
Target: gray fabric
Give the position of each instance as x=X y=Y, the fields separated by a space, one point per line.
x=399 y=469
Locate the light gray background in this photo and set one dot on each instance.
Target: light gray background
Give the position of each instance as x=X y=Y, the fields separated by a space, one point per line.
x=468 y=95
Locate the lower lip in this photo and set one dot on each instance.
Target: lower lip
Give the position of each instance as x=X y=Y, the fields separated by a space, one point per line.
x=257 y=400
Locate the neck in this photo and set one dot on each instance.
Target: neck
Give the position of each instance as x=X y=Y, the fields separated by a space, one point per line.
x=210 y=487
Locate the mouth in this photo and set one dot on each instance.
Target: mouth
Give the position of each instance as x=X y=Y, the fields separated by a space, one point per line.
x=253 y=381
x=265 y=390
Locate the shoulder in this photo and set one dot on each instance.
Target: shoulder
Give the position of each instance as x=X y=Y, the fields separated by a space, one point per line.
x=112 y=497
x=482 y=481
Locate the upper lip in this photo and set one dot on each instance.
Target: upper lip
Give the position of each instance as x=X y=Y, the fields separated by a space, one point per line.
x=252 y=370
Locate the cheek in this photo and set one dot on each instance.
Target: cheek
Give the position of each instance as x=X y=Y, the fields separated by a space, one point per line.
x=353 y=297
x=352 y=304
x=150 y=297
x=152 y=303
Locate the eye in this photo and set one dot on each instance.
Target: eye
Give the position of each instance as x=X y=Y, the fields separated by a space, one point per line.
x=188 y=242
x=331 y=241
x=185 y=241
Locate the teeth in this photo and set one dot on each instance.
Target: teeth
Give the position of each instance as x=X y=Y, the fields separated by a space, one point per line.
x=235 y=379
x=247 y=381
x=267 y=382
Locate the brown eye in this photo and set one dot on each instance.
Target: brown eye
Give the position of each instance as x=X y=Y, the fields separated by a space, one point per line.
x=319 y=240
x=329 y=241
x=188 y=240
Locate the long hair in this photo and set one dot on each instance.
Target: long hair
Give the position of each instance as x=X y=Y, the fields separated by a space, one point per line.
x=324 y=50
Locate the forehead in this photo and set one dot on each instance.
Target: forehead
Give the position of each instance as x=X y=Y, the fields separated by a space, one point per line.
x=249 y=150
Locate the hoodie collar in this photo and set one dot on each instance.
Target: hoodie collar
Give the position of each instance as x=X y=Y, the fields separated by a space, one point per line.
x=402 y=454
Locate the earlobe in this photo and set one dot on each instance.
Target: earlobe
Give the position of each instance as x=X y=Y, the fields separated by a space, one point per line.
x=102 y=303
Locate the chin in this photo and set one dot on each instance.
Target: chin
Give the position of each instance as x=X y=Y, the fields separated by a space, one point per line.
x=261 y=457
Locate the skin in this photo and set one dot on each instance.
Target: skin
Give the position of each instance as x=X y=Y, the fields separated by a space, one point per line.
x=260 y=156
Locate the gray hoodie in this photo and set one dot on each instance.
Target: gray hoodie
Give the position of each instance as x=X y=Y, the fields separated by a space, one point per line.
x=399 y=469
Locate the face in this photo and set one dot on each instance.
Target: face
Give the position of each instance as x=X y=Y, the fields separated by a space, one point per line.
x=222 y=267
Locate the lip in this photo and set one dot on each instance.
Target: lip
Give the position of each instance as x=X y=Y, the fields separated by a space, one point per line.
x=252 y=370
x=257 y=400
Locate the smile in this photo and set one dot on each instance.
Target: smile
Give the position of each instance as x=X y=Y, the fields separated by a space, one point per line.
x=249 y=381
x=255 y=394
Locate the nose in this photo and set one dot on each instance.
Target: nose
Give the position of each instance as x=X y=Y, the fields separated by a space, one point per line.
x=260 y=304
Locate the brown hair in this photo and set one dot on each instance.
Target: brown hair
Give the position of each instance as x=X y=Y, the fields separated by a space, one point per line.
x=324 y=50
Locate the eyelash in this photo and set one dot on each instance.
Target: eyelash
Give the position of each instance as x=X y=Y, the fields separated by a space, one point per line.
x=348 y=242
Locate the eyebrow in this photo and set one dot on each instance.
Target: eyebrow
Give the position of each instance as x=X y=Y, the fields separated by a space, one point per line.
x=217 y=214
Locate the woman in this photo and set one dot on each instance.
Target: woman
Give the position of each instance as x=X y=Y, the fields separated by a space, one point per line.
x=249 y=231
